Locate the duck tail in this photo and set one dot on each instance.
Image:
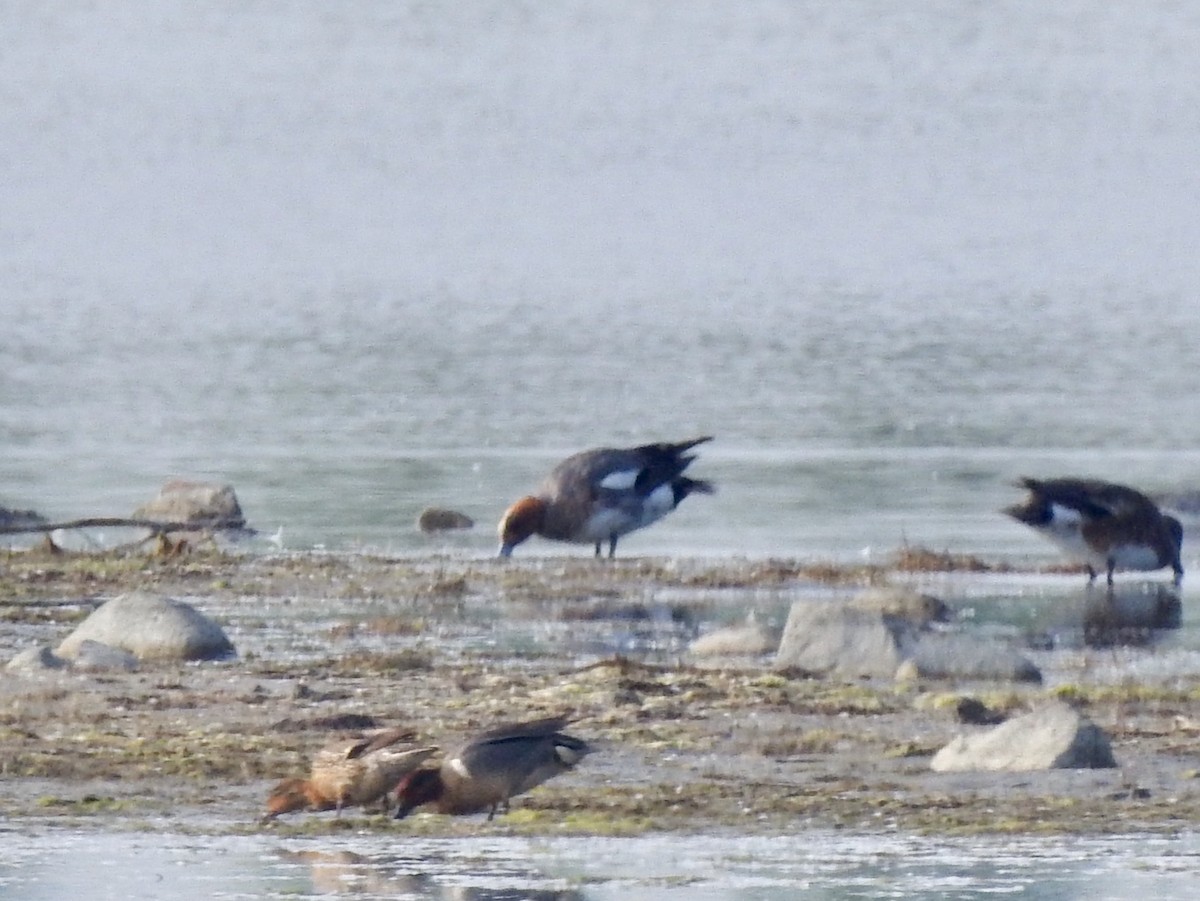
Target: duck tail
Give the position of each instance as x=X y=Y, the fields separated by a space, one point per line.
x=672 y=450
x=677 y=451
x=684 y=486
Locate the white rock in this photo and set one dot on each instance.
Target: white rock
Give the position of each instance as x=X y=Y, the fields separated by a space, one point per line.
x=873 y=640
x=1055 y=736
x=749 y=639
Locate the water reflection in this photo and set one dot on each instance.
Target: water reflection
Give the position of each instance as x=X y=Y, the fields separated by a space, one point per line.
x=349 y=873
x=37 y=864
x=1104 y=616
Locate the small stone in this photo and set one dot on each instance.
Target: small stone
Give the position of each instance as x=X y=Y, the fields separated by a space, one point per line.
x=973 y=712
x=97 y=657
x=439 y=519
x=745 y=640
x=907 y=671
x=35 y=660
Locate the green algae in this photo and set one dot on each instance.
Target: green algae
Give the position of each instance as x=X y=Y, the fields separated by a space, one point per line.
x=678 y=747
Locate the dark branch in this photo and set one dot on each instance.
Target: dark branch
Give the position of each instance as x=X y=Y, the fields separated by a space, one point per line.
x=95 y=522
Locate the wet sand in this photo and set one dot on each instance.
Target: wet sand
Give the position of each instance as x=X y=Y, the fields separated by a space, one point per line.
x=449 y=646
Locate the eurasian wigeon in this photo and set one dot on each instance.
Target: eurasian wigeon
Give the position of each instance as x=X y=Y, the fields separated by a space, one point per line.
x=349 y=772
x=601 y=494
x=1103 y=525
x=492 y=768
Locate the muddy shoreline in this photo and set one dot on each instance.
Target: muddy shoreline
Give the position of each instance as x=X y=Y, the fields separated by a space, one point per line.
x=449 y=646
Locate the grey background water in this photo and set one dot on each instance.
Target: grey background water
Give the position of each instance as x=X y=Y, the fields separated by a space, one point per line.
x=359 y=258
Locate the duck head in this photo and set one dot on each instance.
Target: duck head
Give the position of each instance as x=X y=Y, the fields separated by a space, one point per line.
x=417 y=788
x=290 y=795
x=523 y=519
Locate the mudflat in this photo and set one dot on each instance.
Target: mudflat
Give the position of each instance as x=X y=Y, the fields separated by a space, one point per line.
x=329 y=644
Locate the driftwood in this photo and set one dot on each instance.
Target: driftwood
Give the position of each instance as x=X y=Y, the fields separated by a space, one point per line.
x=156 y=527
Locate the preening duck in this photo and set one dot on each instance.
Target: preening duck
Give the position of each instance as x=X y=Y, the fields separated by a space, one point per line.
x=1103 y=525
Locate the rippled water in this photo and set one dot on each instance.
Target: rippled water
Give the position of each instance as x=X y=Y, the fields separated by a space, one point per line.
x=361 y=258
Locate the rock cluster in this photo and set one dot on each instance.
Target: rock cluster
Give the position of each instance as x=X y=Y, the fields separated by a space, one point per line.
x=891 y=633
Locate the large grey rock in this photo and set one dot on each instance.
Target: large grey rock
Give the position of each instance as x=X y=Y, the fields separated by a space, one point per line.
x=947 y=655
x=35 y=660
x=1055 y=736
x=837 y=639
x=200 y=504
x=866 y=638
x=151 y=628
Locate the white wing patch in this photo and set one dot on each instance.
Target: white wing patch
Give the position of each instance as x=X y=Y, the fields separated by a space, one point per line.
x=459 y=767
x=621 y=480
x=567 y=756
x=1065 y=518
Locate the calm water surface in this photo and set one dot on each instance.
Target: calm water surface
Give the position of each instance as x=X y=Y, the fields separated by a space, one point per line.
x=360 y=258
x=665 y=868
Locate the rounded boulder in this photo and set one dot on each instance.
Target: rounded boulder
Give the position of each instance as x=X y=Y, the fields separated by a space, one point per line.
x=150 y=628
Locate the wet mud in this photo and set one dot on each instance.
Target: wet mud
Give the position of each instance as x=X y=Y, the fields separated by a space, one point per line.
x=447 y=647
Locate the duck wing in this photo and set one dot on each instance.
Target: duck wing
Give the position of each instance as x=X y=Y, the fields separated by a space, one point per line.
x=368 y=744
x=1093 y=498
x=623 y=471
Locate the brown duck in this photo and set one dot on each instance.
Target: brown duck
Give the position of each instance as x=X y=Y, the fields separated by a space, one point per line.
x=350 y=772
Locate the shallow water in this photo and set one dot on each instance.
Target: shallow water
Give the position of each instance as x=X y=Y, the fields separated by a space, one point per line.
x=503 y=868
x=357 y=261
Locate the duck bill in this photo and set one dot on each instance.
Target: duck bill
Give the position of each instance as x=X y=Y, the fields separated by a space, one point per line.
x=506 y=550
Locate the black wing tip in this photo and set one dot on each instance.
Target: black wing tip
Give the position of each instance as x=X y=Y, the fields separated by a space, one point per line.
x=696 y=486
x=693 y=442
